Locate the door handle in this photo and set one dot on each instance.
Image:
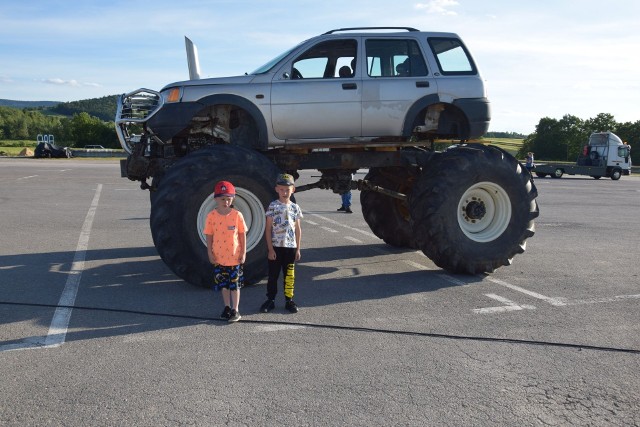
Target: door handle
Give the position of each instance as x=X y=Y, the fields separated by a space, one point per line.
x=422 y=84
x=349 y=86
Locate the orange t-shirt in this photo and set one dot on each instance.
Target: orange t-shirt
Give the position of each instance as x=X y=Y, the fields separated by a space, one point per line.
x=225 y=230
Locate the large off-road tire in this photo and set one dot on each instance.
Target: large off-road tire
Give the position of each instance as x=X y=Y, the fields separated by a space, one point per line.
x=473 y=208
x=388 y=217
x=185 y=196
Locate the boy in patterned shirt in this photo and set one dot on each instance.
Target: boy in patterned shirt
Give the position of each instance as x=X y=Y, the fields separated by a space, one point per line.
x=283 y=234
x=225 y=230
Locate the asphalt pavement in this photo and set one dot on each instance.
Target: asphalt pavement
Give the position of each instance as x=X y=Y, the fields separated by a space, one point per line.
x=96 y=330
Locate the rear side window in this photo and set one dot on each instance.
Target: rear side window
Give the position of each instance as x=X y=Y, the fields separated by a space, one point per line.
x=452 y=56
x=394 y=58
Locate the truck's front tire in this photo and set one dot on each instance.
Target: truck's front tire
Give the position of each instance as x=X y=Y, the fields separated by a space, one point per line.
x=473 y=209
x=616 y=173
x=185 y=197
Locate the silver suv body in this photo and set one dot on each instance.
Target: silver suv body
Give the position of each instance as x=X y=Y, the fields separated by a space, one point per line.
x=344 y=86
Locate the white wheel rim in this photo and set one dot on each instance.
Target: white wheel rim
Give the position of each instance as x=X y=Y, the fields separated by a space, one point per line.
x=484 y=212
x=252 y=211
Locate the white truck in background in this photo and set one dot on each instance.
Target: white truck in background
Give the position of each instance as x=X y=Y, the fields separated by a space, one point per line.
x=604 y=155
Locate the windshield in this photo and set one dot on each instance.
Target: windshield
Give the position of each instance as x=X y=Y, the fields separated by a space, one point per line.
x=269 y=65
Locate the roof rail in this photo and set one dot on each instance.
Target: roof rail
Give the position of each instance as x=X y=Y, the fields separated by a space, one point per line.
x=371 y=28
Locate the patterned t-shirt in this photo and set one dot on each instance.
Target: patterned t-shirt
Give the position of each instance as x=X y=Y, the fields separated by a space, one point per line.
x=225 y=230
x=283 y=232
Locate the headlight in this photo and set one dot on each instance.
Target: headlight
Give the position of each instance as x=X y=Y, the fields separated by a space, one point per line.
x=172 y=95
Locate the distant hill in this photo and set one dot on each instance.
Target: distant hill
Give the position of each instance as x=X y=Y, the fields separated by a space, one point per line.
x=103 y=108
x=27 y=104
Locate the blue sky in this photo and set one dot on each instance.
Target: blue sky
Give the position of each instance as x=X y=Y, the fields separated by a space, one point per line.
x=539 y=58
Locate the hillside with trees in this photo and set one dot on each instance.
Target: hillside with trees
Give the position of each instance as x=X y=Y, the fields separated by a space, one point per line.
x=78 y=130
x=103 y=108
x=90 y=121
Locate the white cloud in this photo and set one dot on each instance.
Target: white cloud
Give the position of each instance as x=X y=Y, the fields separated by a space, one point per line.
x=72 y=83
x=5 y=79
x=439 y=7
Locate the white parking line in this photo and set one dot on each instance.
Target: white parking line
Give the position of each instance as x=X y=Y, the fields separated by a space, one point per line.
x=329 y=220
x=60 y=321
x=353 y=239
x=604 y=299
x=415 y=265
x=552 y=301
x=508 y=306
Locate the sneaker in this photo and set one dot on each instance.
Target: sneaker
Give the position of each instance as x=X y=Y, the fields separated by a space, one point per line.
x=226 y=313
x=235 y=316
x=267 y=306
x=291 y=306
x=342 y=209
x=348 y=210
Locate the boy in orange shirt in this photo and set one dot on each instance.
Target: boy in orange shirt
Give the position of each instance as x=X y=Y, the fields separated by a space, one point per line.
x=227 y=248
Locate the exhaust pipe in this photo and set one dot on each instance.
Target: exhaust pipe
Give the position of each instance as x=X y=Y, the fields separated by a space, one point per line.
x=192 y=59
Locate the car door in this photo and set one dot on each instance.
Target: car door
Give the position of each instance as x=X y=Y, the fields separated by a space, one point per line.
x=310 y=99
x=396 y=76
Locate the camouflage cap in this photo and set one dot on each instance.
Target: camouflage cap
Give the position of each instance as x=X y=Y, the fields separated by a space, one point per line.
x=285 y=179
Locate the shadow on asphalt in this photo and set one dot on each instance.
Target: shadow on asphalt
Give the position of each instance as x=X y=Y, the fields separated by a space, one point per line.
x=130 y=290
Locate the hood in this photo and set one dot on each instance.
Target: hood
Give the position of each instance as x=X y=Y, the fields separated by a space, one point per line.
x=213 y=81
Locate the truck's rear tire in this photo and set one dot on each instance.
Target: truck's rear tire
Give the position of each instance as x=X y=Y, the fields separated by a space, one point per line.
x=557 y=173
x=185 y=197
x=388 y=217
x=473 y=209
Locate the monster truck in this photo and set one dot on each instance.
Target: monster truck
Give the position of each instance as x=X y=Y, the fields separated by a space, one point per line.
x=349 y=99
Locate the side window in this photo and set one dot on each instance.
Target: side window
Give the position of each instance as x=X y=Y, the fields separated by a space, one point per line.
x=329 y=59
x=394 y=58
x=623 y=151
x=452 y=56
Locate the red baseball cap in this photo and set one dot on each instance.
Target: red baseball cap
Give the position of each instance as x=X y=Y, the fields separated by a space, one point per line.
x=224 y=188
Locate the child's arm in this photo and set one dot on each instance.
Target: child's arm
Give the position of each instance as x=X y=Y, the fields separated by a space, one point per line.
x=267 y=236
x=212 y=258
x=298 y=239
x=242 y=240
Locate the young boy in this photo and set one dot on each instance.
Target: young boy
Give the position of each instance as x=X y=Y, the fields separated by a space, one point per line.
x=283 y=234
x=227 y=248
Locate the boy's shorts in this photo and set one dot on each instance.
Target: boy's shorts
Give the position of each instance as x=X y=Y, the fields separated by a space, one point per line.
x=227 y=276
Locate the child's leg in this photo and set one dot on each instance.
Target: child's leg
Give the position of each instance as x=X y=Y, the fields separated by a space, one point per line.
x=226 y=297
x=235 y=299
x=272 y=281
x=288 y=271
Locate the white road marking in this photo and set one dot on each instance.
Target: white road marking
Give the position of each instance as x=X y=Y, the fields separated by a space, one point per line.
x=353 y=239
x=27 y=177
x=508 y=306
x=276 y=328
x=60 y=321
x=452 y=279
x=415 y=265
x=603 y=299
x=329 y=220
x=330 y=230
x=552 y=301
x=310 y=222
